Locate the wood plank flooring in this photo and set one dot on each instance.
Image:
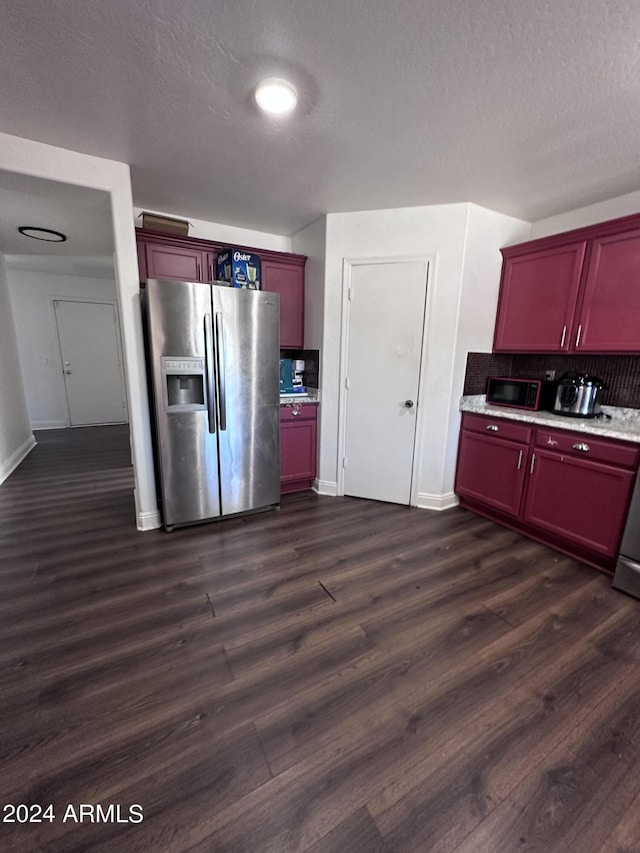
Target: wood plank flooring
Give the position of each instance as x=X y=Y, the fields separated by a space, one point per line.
x=341 y=676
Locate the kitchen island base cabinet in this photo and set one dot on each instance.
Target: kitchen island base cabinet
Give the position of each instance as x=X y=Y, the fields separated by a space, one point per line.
x=570 y=491
x=298 y=443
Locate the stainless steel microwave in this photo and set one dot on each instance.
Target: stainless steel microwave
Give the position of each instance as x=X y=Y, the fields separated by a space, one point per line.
x=531 y=394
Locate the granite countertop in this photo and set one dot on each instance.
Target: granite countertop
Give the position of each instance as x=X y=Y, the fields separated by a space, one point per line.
x=624 y=423
x=312 y=396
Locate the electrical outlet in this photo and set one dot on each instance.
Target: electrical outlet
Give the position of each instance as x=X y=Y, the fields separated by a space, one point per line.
x=550 y=374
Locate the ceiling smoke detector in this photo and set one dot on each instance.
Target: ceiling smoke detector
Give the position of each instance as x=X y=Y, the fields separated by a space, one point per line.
x=276 y=96
x=42 y=234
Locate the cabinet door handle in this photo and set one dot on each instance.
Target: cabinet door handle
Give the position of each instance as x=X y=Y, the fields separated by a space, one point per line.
x=578 y=335
x=210 y=272
x=493 y=428
x=564 y=335
x=583 y=446
x=520 y=461
x=198 y=270
x=533 y=463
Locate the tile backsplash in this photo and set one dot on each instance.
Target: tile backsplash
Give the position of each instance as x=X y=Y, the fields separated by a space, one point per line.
x=620 y=373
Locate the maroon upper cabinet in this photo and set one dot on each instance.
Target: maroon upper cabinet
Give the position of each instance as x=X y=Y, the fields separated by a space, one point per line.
x=572 y=292
x=175 y=262
x=538 y=297
x=609 y=319
x=192 y=259
x=287 y=280
x=211 y=268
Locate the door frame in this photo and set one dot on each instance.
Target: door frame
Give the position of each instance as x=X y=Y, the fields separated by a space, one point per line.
x=347 y=267
x=62 y=391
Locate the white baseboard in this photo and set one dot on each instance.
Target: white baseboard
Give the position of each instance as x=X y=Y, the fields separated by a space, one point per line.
x=149 y=520
x=10 y=465
x=325 y=487
x=49 y=425
x=437 y=502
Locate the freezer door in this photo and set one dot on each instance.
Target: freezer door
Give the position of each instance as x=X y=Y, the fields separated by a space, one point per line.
x=178 y=316
x=247 y=332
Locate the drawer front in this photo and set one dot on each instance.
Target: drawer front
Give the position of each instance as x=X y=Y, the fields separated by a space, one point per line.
x=298 y=412
x=586 y=446
x=500 y=427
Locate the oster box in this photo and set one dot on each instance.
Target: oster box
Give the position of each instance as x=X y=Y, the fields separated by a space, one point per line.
x=240 y=269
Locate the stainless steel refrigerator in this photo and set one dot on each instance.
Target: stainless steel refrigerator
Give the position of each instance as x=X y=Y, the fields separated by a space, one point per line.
x=213 y=354
x=627 y=574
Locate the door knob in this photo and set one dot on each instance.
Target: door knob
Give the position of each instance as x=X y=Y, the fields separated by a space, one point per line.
x=67 y=371
x=408 y=404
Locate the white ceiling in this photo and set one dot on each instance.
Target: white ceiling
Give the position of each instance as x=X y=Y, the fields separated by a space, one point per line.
x=82 y=215
x=529 y=108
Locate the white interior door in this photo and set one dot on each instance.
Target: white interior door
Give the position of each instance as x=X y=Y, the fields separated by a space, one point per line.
x=385 y=330
x=91 y=362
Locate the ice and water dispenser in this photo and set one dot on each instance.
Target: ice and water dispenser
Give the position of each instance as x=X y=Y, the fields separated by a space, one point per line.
x=183 y=382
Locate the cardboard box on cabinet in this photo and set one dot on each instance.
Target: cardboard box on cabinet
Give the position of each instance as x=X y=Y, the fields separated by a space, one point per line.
x=240 y=269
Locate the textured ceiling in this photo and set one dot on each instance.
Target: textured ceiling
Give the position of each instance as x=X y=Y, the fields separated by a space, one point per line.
x=530 y=108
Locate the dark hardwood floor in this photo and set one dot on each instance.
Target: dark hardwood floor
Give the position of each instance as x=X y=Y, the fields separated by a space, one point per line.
x=341 y=676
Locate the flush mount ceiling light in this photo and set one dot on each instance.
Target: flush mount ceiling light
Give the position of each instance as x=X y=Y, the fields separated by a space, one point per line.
x=42 y=234
x=276 y=96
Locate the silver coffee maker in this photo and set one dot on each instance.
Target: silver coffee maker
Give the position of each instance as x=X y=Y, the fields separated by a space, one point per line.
x=298 y=373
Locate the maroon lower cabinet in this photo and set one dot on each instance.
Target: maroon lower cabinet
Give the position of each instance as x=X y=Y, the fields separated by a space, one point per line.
x=579 y=500
x=298 y=446
x=479 y=459
x=568 y=490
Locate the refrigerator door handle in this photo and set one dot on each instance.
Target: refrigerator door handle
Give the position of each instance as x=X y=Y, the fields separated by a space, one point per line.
x=209 y=367
x=222 y=370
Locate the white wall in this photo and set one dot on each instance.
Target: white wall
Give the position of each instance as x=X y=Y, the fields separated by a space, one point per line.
x=24 y=156
x=31 y=292
x=226 y=233
x=16 y=438
x=462 y=245
x=312 y=242
x=436 y=233
x=612 y=208
x=487 y=233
